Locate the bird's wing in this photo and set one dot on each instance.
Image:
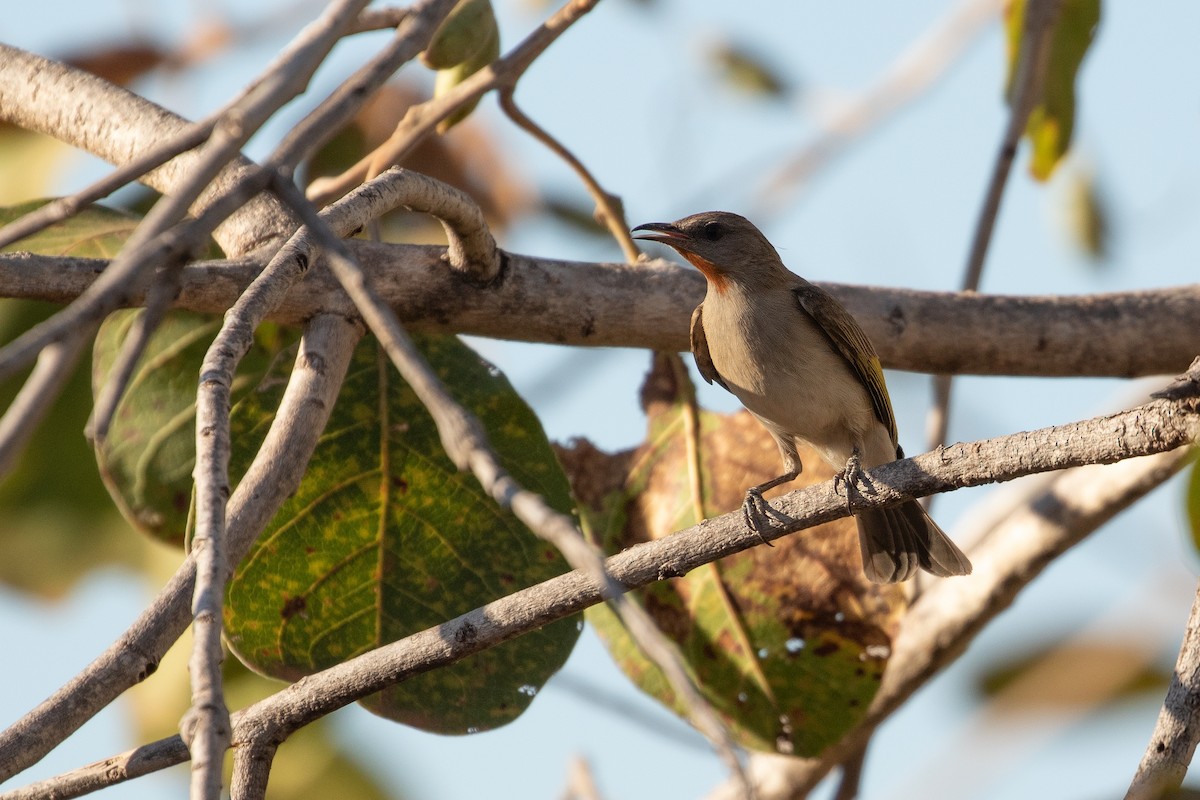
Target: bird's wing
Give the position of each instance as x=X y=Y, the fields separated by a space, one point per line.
x=700 y=349
x=848 y=339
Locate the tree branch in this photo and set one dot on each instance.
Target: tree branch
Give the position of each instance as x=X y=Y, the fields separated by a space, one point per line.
x=1177 y=731
x=648 y=306
x=1028 y=77
x=936 y=630
x=119 y=127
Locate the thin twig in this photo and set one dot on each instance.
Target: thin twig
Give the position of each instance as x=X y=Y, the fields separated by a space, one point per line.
x=935 y=631
x=206 y=726
x=213 y=443
x=297 y=63
x=158 y=300
x=1028 y=77
x=322 y=123
x=580 y=783
x=420 y=120
x=1177 y=731
x=609 y=208
x=115 y=670
x=376 y=19
x=287 y=79
x=54 y=366
x=64 y=208
x=851 y=778
x=119 y=126
x=416 y=26
x=194 y=134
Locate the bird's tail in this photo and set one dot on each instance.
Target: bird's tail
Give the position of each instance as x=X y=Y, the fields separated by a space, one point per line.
x=897 y=540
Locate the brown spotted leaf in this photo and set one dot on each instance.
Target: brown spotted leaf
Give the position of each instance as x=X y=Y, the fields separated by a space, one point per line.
x=789 y=642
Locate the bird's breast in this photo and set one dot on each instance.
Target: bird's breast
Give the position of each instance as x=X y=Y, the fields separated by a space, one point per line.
x=781 y=366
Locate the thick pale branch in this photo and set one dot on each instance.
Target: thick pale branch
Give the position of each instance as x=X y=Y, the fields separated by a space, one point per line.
x=252 y=770
x=1156 y=427
x=120 y=127
x=648 y=306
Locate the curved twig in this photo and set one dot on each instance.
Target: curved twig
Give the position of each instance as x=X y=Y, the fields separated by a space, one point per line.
x=609 y=208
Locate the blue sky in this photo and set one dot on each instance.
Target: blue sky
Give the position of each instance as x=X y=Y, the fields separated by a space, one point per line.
x=631 y=91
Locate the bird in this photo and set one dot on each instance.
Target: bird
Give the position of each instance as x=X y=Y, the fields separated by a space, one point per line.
x=801 y=364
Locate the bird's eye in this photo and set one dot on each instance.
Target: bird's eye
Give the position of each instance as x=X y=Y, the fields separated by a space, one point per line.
x=713 y=231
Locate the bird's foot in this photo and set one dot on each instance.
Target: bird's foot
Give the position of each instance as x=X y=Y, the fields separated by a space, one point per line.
x=757 y=513
x=852 y=478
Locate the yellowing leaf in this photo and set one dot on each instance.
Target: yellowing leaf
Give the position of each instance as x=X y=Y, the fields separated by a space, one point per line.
x=95 y=232
x=1052 y=119
x=1085 y=213
x=745 y=70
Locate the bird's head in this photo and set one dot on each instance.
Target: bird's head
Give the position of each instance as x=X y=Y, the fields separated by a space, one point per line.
x=723 y=246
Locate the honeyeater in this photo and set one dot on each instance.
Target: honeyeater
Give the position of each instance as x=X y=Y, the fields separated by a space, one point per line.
x=797 y=359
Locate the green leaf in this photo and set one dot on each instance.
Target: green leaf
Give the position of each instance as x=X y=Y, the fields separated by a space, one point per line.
x=1193 y=504
x=386 y=538
x=147 y=458
x=95 y=232
x=466 y=31
x=787 y=643
x=1052 y=119
x=484 y=48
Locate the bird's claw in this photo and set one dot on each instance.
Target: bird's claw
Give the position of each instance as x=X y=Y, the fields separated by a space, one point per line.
x=851 y=477
x=757 y=513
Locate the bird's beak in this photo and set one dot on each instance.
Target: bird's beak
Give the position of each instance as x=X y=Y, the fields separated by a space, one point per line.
x=663 y=232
